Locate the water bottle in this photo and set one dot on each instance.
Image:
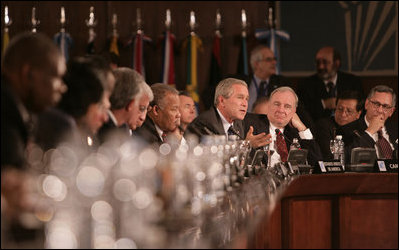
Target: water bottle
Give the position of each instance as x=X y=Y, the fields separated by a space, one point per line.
x=295 y=144
x=340 y=150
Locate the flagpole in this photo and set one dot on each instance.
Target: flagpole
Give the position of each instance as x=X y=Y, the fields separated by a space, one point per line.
x=91 y=23
x=35 y=22
x=63 y=39
x=193 y=43
x=7 y=24
x=168 y=69
x=113 y=47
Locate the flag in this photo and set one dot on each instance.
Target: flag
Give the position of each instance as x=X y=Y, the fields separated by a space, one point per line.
x=272 y=35
x=215 y=75
x=242 y=66
x=138 y=53
x=64 y=42
x=193 y=43
x=6 y=40
x=90 y=44
x=113 y=46
x=168 y=66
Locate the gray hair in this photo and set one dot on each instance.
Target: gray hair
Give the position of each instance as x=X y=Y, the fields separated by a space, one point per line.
x=160 y=91
x=129 y=85
x=383 y=89
x=285 y=89
x=256 y=54
x=225 y=89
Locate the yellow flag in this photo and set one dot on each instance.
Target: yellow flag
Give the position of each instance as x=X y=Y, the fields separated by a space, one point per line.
x=113 y=47
x=195 y=44
x=6 y=40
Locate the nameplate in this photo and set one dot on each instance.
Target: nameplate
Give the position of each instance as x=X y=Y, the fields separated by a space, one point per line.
x=330 y=167
x=386 y=165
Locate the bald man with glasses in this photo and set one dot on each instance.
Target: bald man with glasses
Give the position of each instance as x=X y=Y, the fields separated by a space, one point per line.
x=374 y=129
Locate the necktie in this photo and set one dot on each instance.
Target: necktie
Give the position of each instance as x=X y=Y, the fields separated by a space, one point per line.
x=383 y=146
x=331 y=89
x=163 y=136
x=281 y=146
x=262 y=89
x=230 y=131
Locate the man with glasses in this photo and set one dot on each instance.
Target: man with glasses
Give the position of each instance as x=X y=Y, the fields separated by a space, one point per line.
x=348 y=109
x=319 y=91
x=264 y=79
x=129 y=102
x=374 y=130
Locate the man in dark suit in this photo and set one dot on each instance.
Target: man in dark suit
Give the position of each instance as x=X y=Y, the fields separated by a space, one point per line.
x=318 y=92
x=264 y=79
x=163 y=116
x=129 y=102
x=348 y=108
x=374 y=130
x=282 y=120
x=32 y=70
x=225 y=118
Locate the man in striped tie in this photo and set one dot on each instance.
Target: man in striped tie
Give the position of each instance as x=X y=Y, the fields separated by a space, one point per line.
x=374 y=129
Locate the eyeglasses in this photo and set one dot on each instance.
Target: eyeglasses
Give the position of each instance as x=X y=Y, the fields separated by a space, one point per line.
x=349 y=112
x=385 y=107
x=268 y=59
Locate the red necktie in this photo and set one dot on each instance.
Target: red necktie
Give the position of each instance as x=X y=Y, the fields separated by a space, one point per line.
x=383 y=146
x=281 y=146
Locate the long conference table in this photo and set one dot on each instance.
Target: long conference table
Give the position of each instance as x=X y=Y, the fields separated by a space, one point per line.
x=344 y=210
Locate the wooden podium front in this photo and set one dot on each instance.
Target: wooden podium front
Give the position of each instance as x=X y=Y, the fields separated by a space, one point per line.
x=347 y=210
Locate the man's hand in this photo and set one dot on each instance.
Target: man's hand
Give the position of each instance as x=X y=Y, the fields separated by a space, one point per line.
x=16 y=192
x=297 y=123
x=329 y=103
x=258 y=140
x=376 y=123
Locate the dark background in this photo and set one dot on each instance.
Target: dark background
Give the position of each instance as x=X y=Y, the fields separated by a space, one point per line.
x=310 y=24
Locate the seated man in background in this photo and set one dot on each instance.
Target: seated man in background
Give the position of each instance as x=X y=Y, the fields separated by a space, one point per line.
x=226 y=117
x=261 y=105
x=187 y=110
x=129 y=102
x=163 y=116
x=374 y=130
x=348 y=108
x=318 y=92
x=32 y=70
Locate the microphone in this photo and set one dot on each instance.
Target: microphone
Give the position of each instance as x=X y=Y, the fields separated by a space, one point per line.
x=278 y=132
x=356 y=133
x=208 y=131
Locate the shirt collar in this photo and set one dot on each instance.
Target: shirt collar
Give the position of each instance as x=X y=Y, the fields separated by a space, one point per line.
x=159 y=130
x=226 y=124
x=333 y=80
x=273 y=128
x=112 y=117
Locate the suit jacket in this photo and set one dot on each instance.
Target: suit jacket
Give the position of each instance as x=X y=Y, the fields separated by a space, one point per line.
x=261 y=124
x=312 y=90
x=275 y=82
x=148 y=132
x=325 y=130
x=110 y=128
x=354 y=135
x=210 y=123
x=14 y=132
